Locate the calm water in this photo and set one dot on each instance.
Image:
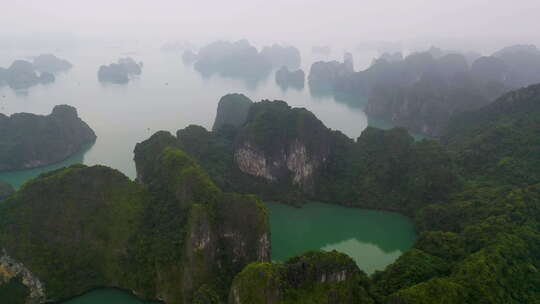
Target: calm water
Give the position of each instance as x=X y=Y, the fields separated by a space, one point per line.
x=167 y=96
x=374 y=239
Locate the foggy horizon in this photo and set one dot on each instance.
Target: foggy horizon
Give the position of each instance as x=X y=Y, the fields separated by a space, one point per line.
x=478 y=25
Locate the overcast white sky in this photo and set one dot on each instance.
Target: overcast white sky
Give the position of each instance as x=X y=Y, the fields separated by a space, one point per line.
x=457 y=22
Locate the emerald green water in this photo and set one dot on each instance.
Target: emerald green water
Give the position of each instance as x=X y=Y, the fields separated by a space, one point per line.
x=374 y=239
x=107 y=296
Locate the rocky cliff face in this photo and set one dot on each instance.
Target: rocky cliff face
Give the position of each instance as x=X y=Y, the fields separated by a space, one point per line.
x=224 y=232
x=30 y=141
x=315 y=277
x=11 y=270
x=280 y=143
x=294 y=161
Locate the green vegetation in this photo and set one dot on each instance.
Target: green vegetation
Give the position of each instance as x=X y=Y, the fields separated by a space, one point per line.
x=5 y=190
x=14 y=292
x=178 y=238
x=474 y=198
x=72 y=227
x=314 y=277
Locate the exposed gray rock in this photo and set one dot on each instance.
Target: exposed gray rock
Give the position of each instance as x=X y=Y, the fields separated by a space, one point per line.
x=10 y=268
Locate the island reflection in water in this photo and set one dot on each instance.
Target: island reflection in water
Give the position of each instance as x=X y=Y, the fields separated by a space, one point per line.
x=374 y=239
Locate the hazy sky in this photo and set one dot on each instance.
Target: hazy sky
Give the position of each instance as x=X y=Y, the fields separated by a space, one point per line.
x=455 y=23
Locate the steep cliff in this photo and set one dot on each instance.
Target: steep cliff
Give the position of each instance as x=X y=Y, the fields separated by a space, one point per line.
x=29 y=140
x=282 y=143
x=223 y=232
x=314 y=277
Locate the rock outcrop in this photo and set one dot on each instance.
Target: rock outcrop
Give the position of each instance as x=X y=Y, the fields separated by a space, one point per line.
x=425 y=89
x=51 y=64
x=21 y=75
x=286 y=154
x=433 y=91
x=30 y=141
x=324 y=76
x=315 y=277
x=279 y=142
x=121 y=72
x=232 y=59
x=232 y=110
x=13 y=273
x=286 y=78
x=224 y=231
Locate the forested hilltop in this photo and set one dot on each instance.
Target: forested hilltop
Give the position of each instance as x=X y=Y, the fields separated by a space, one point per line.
x=179 y=236
x=474 y=197
x=176 y=238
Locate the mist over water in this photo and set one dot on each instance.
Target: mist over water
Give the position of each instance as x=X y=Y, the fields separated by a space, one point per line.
x=168 y=95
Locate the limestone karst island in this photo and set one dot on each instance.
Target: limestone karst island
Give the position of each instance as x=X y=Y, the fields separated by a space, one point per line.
x=269 y=152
